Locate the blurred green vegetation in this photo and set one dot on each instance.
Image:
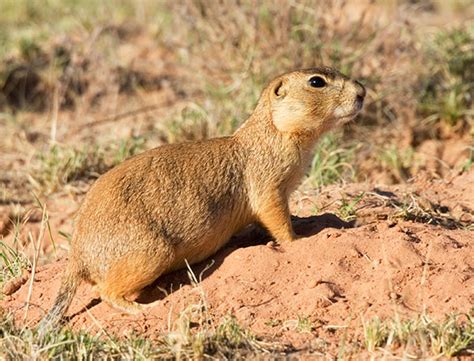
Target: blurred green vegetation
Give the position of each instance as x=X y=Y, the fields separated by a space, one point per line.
x=55 y=51
x=448 y=90
x=61 y=164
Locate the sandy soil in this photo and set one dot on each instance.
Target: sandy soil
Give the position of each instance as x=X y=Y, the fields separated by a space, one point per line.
x=339 y=274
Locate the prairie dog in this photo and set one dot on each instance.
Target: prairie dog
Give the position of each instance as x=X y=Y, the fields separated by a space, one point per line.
x=182 y=202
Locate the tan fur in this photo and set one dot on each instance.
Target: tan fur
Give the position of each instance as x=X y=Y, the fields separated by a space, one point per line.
x=180 y=202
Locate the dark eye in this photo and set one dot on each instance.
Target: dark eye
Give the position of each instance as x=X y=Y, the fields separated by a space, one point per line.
x=317 y=82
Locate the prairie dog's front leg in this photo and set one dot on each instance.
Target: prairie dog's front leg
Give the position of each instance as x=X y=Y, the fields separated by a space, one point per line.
x=274 y=215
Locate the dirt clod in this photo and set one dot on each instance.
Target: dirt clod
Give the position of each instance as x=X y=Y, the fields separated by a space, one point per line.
x=14 y=284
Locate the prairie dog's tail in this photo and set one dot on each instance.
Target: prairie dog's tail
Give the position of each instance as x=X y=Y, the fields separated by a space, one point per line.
x=69 y=284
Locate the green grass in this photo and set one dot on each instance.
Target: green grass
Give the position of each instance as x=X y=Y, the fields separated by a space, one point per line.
x=421 y=336
x=331 y=163
x=26 y=23
x=227 y=341
x=12 y=263
x=61 y=165
x=448 y=91
x=225 y=87
x=347 y=210
x=398 y=162
x=469 y=161
x=301 y=324
x=304 y=324
x=39 y=56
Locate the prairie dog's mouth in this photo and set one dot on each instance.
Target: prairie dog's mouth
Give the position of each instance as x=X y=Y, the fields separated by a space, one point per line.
x=343 y=115
x=347 y=118
x=342 y=118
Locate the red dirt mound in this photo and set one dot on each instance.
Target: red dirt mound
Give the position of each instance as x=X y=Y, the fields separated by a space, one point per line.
x=336 y=276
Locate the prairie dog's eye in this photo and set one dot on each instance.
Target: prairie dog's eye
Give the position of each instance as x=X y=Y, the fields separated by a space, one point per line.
x=317 y=82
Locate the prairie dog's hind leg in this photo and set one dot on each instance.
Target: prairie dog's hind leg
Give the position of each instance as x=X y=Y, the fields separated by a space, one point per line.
x=122 y=304
x=116 y=295
x=129 y=275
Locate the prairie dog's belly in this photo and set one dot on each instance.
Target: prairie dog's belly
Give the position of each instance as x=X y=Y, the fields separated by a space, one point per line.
x=198 y=249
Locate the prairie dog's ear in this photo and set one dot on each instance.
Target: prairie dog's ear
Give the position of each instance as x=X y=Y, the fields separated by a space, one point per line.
x=279 y=89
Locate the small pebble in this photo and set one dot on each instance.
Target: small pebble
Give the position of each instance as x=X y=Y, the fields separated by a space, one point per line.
x=393 y=295
x=372 y=228
x=391 y=223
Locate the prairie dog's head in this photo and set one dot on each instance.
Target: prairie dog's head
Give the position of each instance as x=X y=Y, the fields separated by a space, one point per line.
x=315 y=100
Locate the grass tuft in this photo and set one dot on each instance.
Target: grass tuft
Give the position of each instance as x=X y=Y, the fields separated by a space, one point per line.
x=61 y=164
x=12 y=263
x=398 y=162
x=448 y=93
x=331 y=163
x=421 y=336
x=347 y=210
x=414 y=208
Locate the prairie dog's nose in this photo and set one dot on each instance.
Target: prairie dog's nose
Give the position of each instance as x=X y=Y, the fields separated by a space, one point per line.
x=360 y=90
